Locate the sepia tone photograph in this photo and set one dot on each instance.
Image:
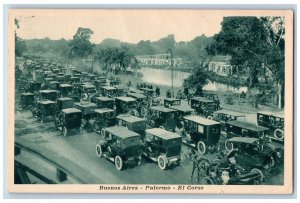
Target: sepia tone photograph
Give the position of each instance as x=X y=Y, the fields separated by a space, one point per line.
x=150 y=101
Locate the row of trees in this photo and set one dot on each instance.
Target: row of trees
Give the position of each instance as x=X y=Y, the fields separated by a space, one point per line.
x=254 y=44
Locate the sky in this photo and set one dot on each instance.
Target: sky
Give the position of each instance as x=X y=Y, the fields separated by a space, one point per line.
x=126 y=25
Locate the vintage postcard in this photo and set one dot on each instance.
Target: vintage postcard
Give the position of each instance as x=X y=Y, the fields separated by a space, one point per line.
x=150 y=101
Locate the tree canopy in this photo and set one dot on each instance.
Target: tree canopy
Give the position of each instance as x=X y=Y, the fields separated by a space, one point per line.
x=80 y=45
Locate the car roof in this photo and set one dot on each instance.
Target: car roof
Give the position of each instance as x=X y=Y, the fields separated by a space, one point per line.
x=104 y=98
x=248 y=140
x=130 y=118
x=279 y=114
x=127 y=99
x=64 y=99
x=121 y=132
x=164 y=134
x=47 y=91
x=108 y=88
x=88 y=86
x=171 y=99
x=183 y=108
x=202 y=99
x=54 y=81
x=74 y=77
x=119 y=87
x=103 y=110
x=71 y=110
x=66 y=85
x=86 y=104
x=137 y=95
x=200 y=120
x=27 y=94
x=147 y=89
x=46 y=101
x=247 y=125
x=135 y=90
x=162 y=109
x=231 y=113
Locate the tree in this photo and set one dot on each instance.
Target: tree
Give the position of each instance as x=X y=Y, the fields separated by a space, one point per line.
x=80 y=45
x=20 y=46
x=252 y=42
x=198 y=77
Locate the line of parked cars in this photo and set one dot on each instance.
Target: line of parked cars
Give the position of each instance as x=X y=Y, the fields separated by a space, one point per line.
x=132 y=123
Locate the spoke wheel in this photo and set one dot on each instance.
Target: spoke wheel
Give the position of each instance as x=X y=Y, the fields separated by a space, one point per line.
x=201 y=147
x=259 y=172
x=278 y=133
x=162 y=162
x=208 y=181
x=118 y=162
x=228 y=146
x=65 y=131
x=98 y=150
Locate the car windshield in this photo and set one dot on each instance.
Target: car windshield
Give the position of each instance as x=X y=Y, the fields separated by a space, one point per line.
x=129 y=142
x=172 y=142
x=73 y=116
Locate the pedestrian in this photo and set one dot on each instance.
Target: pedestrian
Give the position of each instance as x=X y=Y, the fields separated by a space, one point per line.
x=168 y=95
x=196 y=164
x=157 y=91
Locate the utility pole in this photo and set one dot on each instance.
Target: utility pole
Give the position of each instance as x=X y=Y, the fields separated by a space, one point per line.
x=172 y=70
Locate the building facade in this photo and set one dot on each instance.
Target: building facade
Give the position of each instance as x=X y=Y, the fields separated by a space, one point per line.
x=158 y=60
x=221 y=65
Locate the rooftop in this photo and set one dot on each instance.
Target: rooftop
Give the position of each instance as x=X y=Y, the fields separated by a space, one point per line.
x=182 y=108
x=164 y=134
x=121 y=132
x=104 y=99
x=129 y=118
x=85 y=104
x=162 y=109
x=279 y=114
x=103 y=110
x=201 y=120
x=246 y=125
x=71 y=110
x=127 y=99
x=136 y=95
x=231 y=113
x=46 y=101
x=108 y=88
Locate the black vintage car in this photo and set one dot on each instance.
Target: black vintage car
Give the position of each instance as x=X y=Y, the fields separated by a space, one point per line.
x=102 y=118
x=108 y=91
x=126 y=105
x=171 y=102
x=245 y=129
x=69 y=120
x=120 y=90
x=223 y=116
x=201 y=133
x=26 y=101
x=88 y=113
x=87 y=91
x=75 y=81
x=181 y=111
x=253 y=152
x=44 y=109
x=48 y=94
x=142 y=103
x=65 y=89
x=54 y=85
x=159 y=116
x=121 y=146
x=205 y=107
x=274 y=121
x=133 y=123
x=105 y=102
x=33 y=87
x=63 y=103
x=163 y=147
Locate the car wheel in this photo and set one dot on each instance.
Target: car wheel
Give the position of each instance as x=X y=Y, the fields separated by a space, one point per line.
x=98 y=150
x=269 y=163
x=228 y=146
x=279 y=134
x=162 y=162
x=259 y=172
x=118 y=162
x=201 y=147
x=208 y=181
x=65 y=131
x=203 y=164
x=103 y=132
x=138 y=161
x=210 y=117
x=162 y=127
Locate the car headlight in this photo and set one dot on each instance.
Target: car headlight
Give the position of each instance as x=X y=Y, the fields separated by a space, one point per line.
x=278 y=154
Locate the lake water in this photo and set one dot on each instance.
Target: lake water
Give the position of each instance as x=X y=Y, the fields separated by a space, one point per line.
x=163 y=77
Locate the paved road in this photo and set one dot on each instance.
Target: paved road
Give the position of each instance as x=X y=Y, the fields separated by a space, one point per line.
x=80 y=148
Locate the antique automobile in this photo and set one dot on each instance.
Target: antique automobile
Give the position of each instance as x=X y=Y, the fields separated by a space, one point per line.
x=54 y=85
x=120 y=146
x=63 y=103
x=126 y=105
x=48 y=94
x=245 y=129
x=34 y=87
x=274 y=121
x=222 y=172
x=105 y=102
x=148 y=92
x=134 y=90
x=171 y=102
x=47 y=73
x=69 y=120
x=133 y=123
x=223 y=116
x=26 y=101
x=84 y=76
x=65 y=89
x=55 y=70
x=44 y=109
x=91 y=77
x=201 y=133
x=103 y=118
x=88 y=113
x=108 y=91
x=99 y=83
x=142 y=103
x=113 y=82
x=159 y=116
x=163 y=147
x=75 y=93
x=87 y=91
x=68 y=77
x=75 y=81
x=181 y=111
x=61 y=78
x=120 y=90
x=204 y=106
x=78 y=75
x=254 y=152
